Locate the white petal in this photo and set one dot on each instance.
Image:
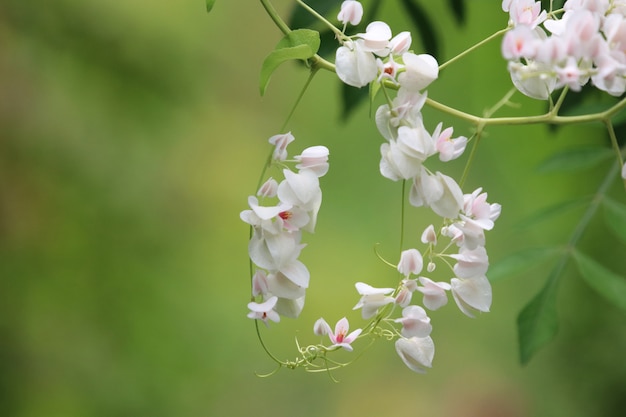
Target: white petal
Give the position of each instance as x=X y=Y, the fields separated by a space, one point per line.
x=472 y=293
x=416 y=353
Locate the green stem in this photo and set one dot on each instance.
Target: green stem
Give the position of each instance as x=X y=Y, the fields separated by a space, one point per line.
x=278 y=21
x=615 y=144
x=339 y=34
x=473 y=48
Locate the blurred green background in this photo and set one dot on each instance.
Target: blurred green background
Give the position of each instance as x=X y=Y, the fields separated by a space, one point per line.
x=131 y=134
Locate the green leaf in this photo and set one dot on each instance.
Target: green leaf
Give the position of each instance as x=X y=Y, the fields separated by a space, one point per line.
x=209 y=5
x=519 y=262
x=298 y=44
x=458 y=10
x=423 y=25
x=607 y=283
x=552 y=211
x=537 y=324
x=615 y=217
x=575 y=159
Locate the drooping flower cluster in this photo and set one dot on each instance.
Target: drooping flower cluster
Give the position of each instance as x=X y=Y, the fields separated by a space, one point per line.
x=376 y=56
x=587 y=42
x=280 y=280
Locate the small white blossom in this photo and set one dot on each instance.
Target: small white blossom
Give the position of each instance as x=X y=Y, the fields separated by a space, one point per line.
x=372 y=299
x=416 y=353
x=264 y=311
x=351 y=12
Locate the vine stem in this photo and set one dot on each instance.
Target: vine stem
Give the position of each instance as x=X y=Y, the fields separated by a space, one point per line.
x=473 y=48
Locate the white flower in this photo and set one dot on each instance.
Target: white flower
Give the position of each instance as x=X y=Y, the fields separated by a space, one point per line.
x=471 y=294
x=264 y=311
x=411 y=262
x=280 y=142
x=279 y=253
x=624 y=171
x=372 y=299
x=376 y=38
x=282 y=287
x=405 y=294
x=264 y=217
x=268 y=189
x=415 y=322
x=400 y=43
x=340 y=337
x=302 y=190
x=416 y=353
x=354 y=65
x=314 y=158
x=351 y=12
x=289 y=307
x=439 y=192
x=434 y=293
x=420 y=71
x=471 y=262
x=429 y=235
x=259 y=283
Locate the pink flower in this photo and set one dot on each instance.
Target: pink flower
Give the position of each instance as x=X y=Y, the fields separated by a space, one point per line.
x=448 y=147
x=340 y=337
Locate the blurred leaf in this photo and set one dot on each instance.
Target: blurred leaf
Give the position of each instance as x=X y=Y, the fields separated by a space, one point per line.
x=551 y=211
x=575 y=159
x=423 y=25
x=351 y=97
x=538 y=323
x=518 y=262
x=298 y=44
x=607 y=283
x=209 y=5
x=458 y=10
x=301 y=18
x=615 y=216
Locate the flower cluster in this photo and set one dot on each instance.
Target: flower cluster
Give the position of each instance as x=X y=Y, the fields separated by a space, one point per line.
x=588 y=42
x=280 y=280
x=376 y=56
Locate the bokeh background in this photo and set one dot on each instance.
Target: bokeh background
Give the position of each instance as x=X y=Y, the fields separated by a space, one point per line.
x=131 y=134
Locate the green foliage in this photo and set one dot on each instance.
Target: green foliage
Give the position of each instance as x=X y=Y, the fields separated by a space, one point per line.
x=424 y=26
x=615 y=216
x=607 y=283
x=300 y=44
x=458 y=10
x=209 y=5
x=519 y=262
x=576 y=159
x=301 y=18
x=537 y=324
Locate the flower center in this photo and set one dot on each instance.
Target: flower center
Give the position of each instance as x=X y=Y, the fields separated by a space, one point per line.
x=285 y=215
